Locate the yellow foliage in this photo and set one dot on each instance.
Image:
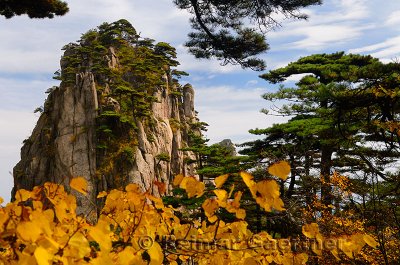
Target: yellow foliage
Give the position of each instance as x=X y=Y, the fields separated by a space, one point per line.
x=192 y=186
x=43 y=257
x=78 y=246
x=280 y=169
x=311 y=230
x=178 y=179
x=370 y=241
x=156 y=254
x=22 y=195
x=210 y=206
x=28 y=231
x=248 y=180
x=270 y=198
x=219 y=181
x=266 y=192
x=102 y=194
x=222 y=196
x=79 y=184
x=135 y=227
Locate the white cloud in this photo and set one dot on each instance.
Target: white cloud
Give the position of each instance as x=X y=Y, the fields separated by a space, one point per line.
x=233 y=97
x=34 y=61
x=353 y=9
x=232 y=112
x=235 y=126
x=325 y=29
x=393 y=19
x=23 y=94
x=251 y=83
x=385 y=50
x=322 y=36
x=295 y=78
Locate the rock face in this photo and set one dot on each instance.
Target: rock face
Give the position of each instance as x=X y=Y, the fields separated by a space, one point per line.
x=229 y=146
x=89 y=128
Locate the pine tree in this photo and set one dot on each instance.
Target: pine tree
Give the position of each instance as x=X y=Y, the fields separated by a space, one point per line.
x=337 y=108
x=33 y=8
x=221 y=29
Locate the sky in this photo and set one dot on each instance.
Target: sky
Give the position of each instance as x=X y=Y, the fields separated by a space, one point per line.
x=228 y=98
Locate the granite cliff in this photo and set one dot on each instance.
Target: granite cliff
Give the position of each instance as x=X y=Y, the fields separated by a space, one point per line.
x=119 y=116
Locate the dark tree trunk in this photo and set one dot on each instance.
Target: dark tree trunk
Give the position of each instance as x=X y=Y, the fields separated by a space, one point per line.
x=326 y=164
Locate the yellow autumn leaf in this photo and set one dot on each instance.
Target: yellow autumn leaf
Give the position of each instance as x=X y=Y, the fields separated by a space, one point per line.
x=192 y=186
x=127 y=257
x=79 y=244
x=210 y=206
x=310 y=230
x=158 y=203
x=268 y=188
x=62 y=211
x=43 y=257
x=294 y=259
x=213 y=219
x=102 y=194
x=250 y=261
x=28 y=231
x=22 y=195
x=280 y=169
x=17 y=210
x=156 y=254
x=25 y=259
x=300 y=259
x=278 y=204
x=351 y=245
x=184 y=181
x=133 y=187
x=240 y=214
x=40 y=221
x=103 y=258
x=79 y=184
x=357 y=242
x=268 y=195
x=115 y=195
x=222 y=196
x=370 y=241
x=50 y=244
x=237 y=197
x=1 y=200
x=219 y=181
x=218 y=260
x=178 y=179
x=172 y=258
x=248 y=180
x=101 y=234
x=48 y=215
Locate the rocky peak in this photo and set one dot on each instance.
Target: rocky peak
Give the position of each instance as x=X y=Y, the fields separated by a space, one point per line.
x=229 y=146
x=119 y=116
